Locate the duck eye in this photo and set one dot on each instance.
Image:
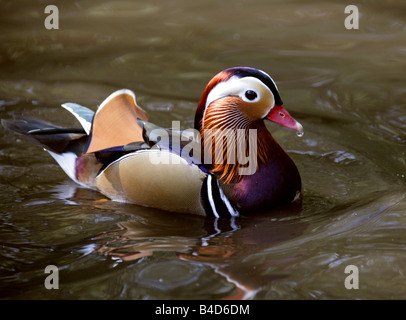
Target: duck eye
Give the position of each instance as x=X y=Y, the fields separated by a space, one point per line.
x=250 y=95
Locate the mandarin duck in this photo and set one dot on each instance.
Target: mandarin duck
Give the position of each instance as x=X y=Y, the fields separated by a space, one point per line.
x=228 y=165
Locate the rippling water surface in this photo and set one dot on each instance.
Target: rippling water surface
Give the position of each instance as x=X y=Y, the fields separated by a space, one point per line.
x=347 y=88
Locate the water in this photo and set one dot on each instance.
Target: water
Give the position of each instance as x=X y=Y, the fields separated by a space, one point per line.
x=346 y=87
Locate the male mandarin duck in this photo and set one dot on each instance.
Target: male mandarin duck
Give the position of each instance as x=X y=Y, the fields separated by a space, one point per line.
x=229 y=165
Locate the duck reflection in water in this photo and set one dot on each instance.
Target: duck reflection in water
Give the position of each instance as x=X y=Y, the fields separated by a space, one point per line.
x=221 y=244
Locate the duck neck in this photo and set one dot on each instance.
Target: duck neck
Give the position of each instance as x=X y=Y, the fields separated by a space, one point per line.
x=233 y=146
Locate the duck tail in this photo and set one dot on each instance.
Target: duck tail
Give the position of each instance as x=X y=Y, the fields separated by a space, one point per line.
x=114 y=124
x=65 y=145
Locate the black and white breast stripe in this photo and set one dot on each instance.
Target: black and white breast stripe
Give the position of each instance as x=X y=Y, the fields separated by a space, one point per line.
x=215 y=203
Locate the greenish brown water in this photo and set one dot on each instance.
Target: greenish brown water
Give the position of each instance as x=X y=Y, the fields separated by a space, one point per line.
x=347 y=88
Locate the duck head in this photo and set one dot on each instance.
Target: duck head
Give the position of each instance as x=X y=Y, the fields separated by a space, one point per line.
x=244 y=94
x=240 y=98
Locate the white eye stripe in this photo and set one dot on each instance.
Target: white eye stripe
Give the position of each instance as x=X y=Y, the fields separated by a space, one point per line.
x=236 y=86
x=271 y=79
